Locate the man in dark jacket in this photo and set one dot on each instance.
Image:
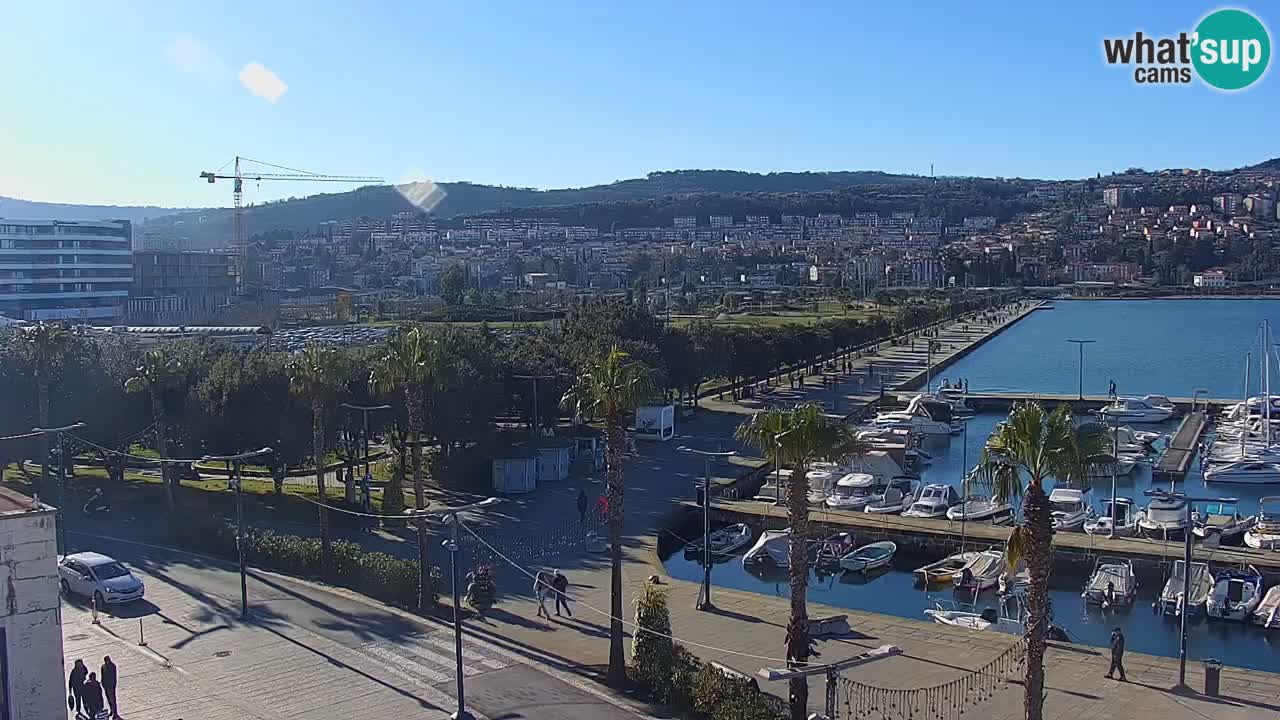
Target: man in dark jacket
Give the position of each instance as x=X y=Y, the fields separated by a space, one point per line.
x=92 y=697
x=75 y=683
x=1117 y=654
x=560 y=584
x=108 y=680
x=582 y=506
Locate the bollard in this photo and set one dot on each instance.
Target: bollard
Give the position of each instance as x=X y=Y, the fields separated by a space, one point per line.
x=142 y=641
x=93 y=606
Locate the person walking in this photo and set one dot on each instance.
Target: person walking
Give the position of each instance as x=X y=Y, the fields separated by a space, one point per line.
x=107 y=676
x=75 y=684
x=583 y=503
x=560 y=584
x=1117 y=654
x=92 y=697
x=542 y=586
x=1111 y=390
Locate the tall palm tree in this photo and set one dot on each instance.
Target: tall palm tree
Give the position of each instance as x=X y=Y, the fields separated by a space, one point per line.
x=610 y=388
x=1035 y=445
x=160 y=372
x=44 y=346
x=317 y=375
x=797 y=438
x=409 y=364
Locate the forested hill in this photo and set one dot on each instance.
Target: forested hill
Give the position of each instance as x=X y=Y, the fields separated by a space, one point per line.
x=16 y=209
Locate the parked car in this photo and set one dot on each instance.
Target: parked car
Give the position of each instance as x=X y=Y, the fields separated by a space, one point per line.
x=97 y=576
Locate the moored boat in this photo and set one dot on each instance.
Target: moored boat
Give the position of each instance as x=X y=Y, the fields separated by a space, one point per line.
x=832 y=549
x=893 y=502
x=1149 y=409
x=1236 y=594
x=1267 y=614
x=1126 y=520
x=869 y=557
x=1221 y=523
x=982 y=572
x=944 y=570
x=933 y=502
x=724 y=541
x=1172 y=602
x=978 y=509
x=1164 y=519
x=1111 y=583
x=1265 y=533
x=773 y=546
x=1251 y=471
x=1068 y=509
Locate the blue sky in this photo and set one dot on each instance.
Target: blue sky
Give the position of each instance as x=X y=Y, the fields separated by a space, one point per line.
x=127 y=102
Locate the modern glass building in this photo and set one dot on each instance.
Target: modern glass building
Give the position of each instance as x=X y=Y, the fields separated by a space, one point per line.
x=65 y=270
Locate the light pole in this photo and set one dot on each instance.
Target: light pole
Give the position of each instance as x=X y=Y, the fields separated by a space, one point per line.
x=533 y=426
x=704 y=597
x=62 y=477
x=451 y=518
x=365 y=410
x=1186 y=570
x=1115 y=460
x=233 y=479
x=777 y=466
x=1080 y=344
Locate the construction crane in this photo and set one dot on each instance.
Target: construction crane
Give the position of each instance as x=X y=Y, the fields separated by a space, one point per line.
x=239 y=243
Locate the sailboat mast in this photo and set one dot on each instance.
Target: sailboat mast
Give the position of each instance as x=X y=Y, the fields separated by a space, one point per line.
x=1266 y=382
x=1244 y=428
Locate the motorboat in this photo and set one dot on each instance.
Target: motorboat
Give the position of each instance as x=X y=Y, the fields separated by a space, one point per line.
x=1068 y=509
x=958 y=400
x=893 y=502
x=1122 y=440
x=1250 y=471
x=1267 y=614
x=852 y=492
x=1009 y=616
x=724 y=541
x=1111 y=583
x=869 y=557
x=1164 y=519
x=933 y=502
x=1149 y=409
x=821 y=481
x=773 y=546
x=944 y=570
x=1221 y=523
x=1126 y=519
x=1265 y=533
x=923 y=416
x=832 y=549
x=1121 y=466
x=1255 y=405
x=982 y=572
x=1236 y=593
x=978 y=509
x=1172 y=602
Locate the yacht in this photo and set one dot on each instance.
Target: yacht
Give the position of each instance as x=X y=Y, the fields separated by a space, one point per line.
x=979 y=509
x=1246 y=471
x=1236 y=594
x=1126 y=519
x=933 y=502
x=1069 y=509
x=773 y=546
x=923 y=416
x=1150 y=409
x=852 y=492
x=1265 y=533
x=1172 y=602
x=1111 y=583
x=1164 y=519
x=1221 y=523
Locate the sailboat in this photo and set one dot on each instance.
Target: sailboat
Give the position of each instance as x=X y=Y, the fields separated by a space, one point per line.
x=1252 y=459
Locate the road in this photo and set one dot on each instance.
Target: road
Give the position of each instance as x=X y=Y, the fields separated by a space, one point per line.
x=304 y=653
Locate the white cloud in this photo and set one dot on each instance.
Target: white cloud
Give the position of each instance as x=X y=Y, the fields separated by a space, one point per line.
x=186 y=53
x=262 y=82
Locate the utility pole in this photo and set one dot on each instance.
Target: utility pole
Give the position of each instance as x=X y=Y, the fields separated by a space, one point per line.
x=1080 y=344
x=704 y=596
x=62 y=477
x=233 y=479
x=533 y=425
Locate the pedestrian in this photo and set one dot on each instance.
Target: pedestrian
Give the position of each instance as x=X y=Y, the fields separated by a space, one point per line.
x=75 y=684
x=560 y=584
x=1111 y=390
x=108 y=679
x=602 y=506
x=542 y=586
x=583 y=502
x=1117 y=653
x=92 y=697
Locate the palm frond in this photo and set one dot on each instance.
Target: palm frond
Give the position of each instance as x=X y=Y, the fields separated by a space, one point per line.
x=1018 y=548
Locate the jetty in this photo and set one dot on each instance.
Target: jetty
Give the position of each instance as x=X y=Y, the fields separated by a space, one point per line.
x=1173 y=462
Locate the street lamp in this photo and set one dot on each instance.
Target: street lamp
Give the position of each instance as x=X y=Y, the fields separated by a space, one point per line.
x=1080 y=344
x=62 y=477
x=233 y=479
x=451 y=518
x=365 y=410
x=704 y=597
x=777 y=466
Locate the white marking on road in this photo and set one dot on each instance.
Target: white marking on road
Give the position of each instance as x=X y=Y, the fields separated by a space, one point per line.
x=468 y=652
x=405 y=663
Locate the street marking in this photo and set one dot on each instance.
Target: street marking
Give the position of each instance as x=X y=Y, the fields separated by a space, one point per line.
x=405 y=663
x=468 y=652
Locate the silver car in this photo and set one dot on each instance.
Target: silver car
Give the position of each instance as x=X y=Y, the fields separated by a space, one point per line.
x=97 y=576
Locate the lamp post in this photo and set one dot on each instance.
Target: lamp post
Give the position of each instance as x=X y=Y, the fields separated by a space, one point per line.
x=777 y=466
x=233 y=479
x=62 y=477
x=451 y=518
x=533 y=425
x=365 y=410
x=704 y=597
x=1080 y=344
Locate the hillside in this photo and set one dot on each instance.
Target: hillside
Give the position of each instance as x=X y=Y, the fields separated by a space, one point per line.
x=15 y=209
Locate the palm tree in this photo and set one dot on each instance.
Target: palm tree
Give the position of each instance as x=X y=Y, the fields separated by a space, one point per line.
x=610 y=388
x=44 y=347
x=317 y=375
x=160 y=372
x=796 y=438
x=1036 y=445
x=409 y=364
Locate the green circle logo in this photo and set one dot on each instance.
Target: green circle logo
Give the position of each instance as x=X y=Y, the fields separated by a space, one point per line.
x=1232 y=49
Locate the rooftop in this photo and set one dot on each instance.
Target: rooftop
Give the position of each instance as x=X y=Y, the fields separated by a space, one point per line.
x=13 y=502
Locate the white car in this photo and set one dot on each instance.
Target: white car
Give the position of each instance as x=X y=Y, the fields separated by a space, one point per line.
x=97 y=576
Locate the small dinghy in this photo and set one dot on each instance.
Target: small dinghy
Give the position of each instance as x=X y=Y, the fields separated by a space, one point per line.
x=831 y=550
x=1112 y=583
x=869 y=557
x=724 y=541
x=982 y=572
x=944 y=570
x=1267 y=614
x=1236 y=594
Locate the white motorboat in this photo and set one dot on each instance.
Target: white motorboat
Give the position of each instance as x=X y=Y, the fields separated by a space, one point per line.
x=1068 y=508
x=832 y=549
x=1250 y=471
x=1008 y=617
x=944 y=570
x=958 y=400
x=978 y=509
x=1255 y=405
x=869 y=557
x=982 y=572
x=1171 y=600
x=933 y=502
x=1267 y=614
x=1236 y=594
x=724 y=541
x=1149 y=409
x=1123 y=465
x=1221 y=523
x=1111 y=583
x=1126 y=519
x=773 y=546
x=1164 y=519
x=821 y=480
x=1265 y=533
x=852 y=492
x=923 y=416
x=893 y=502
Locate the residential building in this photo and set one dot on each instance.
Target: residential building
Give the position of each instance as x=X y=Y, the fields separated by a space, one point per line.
x=177 y=288
x=32 y=672
x=685 y=222
x=65 y=270
x=1210 y=279
x=1117 y=197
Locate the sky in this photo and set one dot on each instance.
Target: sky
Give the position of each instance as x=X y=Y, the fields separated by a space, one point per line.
x=125 y=103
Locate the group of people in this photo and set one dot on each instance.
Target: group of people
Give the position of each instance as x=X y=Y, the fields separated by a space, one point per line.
x=961 y=384
x=92 y=695
x=551 y=583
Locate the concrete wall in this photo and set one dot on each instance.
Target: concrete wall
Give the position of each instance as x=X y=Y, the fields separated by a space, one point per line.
x=30 y=616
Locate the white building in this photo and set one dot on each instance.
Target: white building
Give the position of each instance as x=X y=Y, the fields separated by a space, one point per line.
x=62 y=270
x=1210 y=279
x=31 y=665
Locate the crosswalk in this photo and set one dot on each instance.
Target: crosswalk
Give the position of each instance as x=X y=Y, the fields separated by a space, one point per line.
x=427 y=660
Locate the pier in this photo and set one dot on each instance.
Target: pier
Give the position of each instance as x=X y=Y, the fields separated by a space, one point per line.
x=1173 y=462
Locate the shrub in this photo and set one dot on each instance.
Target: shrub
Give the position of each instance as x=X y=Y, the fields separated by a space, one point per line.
x=652 y=651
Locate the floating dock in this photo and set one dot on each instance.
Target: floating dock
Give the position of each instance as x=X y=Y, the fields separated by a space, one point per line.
x=1173 y=462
